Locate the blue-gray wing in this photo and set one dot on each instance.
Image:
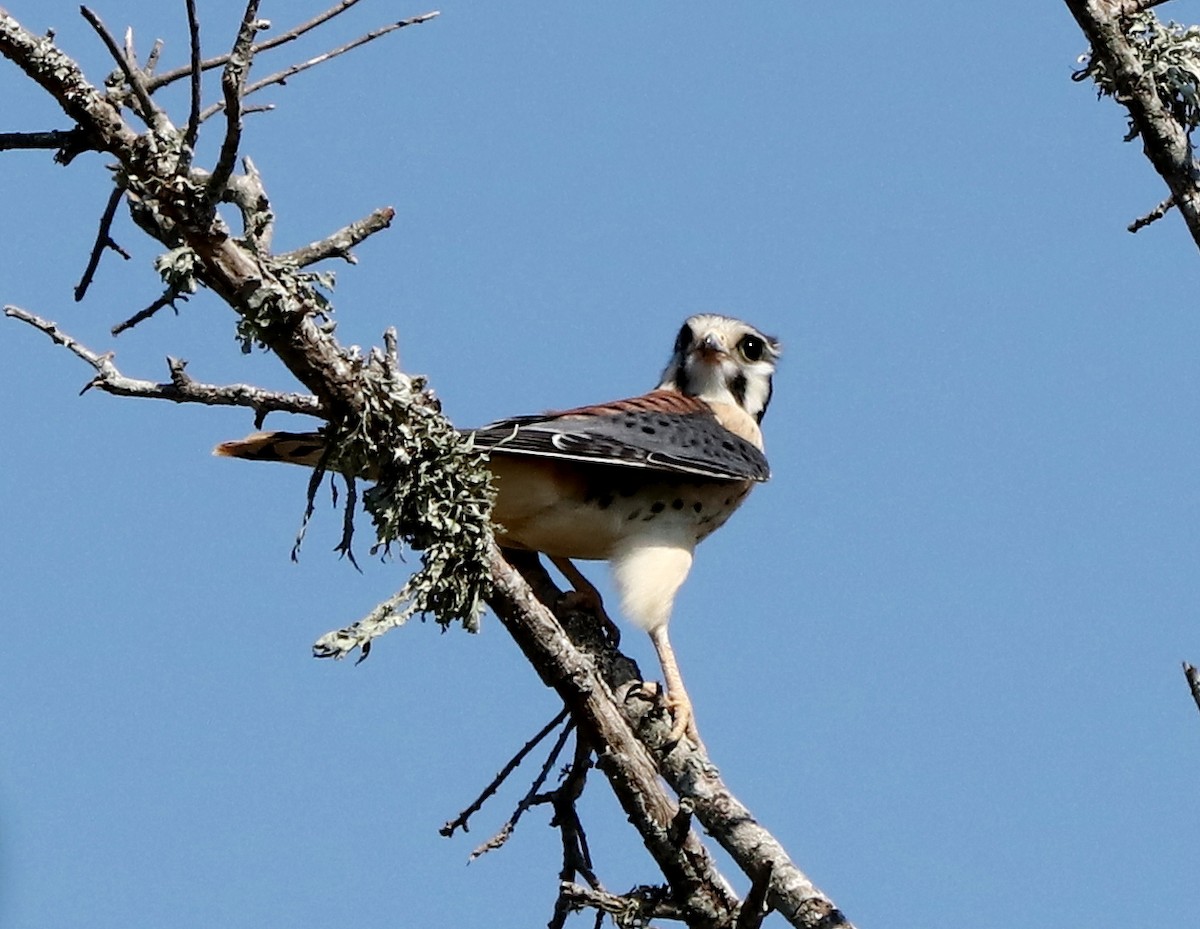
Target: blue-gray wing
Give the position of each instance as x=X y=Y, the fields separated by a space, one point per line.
x=661 y=431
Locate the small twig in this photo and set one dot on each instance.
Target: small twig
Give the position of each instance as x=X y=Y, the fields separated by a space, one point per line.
x=577 y=857
x=1155 y=214
x=281 y=77
x=208 y=64
x=1193 y=679
x=193 y=123
x=181 y=388
x=152 y=58
x=170 y=295
x=338 y=244
x=531 y=797
x=103 y=240
x=460 y=821
x=148 y=109
x=754 y=908
x=681 y=824
x=233 y=83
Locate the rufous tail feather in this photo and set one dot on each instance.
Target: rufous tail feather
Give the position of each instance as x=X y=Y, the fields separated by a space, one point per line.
x=302 y=448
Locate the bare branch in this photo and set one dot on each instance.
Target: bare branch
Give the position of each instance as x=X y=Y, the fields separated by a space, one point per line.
x=233 y=82
x=531 y=797
x=281 y=77
x=103 y=240
x=208 y=64
x=1193 y=679
x=460 y=821
x=154 y=116
x=180 y=389
x=170 y=295
x=338 y=244
x=193 y=123
x=1153 y=216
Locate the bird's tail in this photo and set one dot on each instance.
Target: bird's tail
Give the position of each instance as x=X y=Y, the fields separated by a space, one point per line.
x=302 y=448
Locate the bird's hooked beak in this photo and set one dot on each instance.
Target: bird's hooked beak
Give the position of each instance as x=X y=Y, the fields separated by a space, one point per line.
x=711 y=348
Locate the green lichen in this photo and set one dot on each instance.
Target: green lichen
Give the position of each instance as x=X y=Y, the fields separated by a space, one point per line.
x=432 y=493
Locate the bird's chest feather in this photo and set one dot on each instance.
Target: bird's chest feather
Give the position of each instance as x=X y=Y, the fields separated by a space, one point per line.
x=575 y=511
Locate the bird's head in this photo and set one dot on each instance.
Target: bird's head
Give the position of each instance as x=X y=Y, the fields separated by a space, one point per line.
x=723 y=360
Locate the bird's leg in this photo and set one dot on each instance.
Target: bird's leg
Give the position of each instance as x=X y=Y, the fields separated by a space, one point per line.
x=588 y=596
x=677 y=699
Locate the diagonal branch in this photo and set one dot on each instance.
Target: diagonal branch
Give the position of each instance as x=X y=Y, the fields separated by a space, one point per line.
x=1165 y=141
x=338 y=244
x=1193 y=679
x=154 y=116
x=233 y=81
x=460 y=821
x=169 y=77
x=103 y=241
x=193 y=124
x=282 y=76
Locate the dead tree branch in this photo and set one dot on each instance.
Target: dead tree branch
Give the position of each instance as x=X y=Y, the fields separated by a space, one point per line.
x=1125 y=76
x=365 y=401
x=338 y=244
x=180 y=389
x=290 y=35
x=1193 y=679
x=104 y=240
x=461 y=820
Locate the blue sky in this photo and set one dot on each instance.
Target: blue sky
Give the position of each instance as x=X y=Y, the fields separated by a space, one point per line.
x=939 y=654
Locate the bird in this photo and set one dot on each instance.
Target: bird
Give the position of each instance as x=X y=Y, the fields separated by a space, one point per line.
x=637 y=482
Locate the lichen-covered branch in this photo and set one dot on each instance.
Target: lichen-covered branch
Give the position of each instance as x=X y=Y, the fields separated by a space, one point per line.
x=430 y=489
x=1149 y=69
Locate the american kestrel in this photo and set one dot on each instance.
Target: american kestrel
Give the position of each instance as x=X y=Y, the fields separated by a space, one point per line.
x=636 y=482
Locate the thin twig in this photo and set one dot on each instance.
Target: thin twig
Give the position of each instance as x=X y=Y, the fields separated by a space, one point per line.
x=148 y=109
x=281 y=77
x=233 y=82
x=1193 y=679
x=170 y=295
x=103 y=240
x=152 y=58
x=1153 y=216
x=338 y=244
x=531 y=797
x=169 y=77
x=181 y=388
x=577 y=857
x=193 y=123
x=460 y=821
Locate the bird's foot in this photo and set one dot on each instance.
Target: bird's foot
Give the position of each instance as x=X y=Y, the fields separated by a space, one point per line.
x=683 y=719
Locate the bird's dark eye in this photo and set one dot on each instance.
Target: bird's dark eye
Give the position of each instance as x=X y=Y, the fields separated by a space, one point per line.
x=751 y=347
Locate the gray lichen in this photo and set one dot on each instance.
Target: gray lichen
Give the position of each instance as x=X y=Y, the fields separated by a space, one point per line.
x=1169 y=53
x=432 y=493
